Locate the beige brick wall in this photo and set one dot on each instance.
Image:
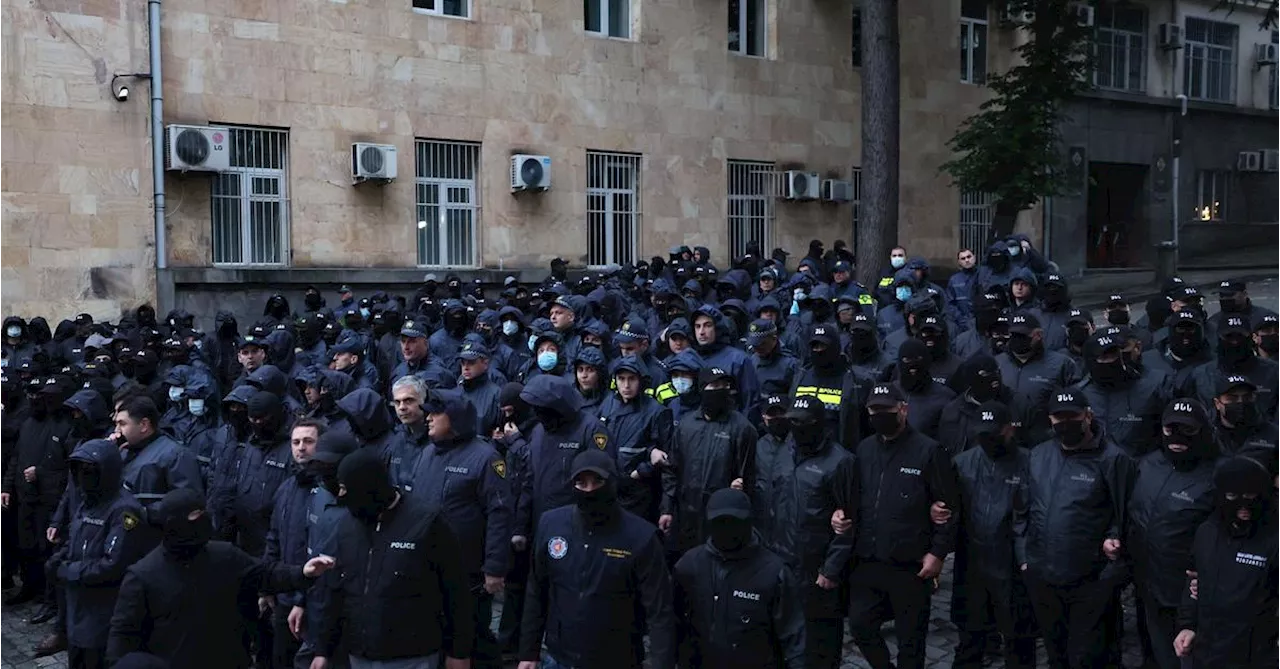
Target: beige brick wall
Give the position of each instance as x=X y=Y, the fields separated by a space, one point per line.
x=521 y=76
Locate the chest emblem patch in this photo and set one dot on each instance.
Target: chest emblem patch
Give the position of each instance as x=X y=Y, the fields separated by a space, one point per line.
x=557 y=548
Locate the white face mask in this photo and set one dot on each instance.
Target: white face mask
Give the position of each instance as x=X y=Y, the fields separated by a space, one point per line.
x=13 y=331
x=196 y=407
x=510 y=327
x=175 y=393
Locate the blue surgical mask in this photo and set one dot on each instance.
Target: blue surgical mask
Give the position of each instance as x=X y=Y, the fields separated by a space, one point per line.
x=364 y=312
x=903 y=293
x=533 y=341
x=547 y=360
x=510 y=327
x=897 y=262
x=682 y=385
x=195 y=406
x=1014 y=250
x=175 y=393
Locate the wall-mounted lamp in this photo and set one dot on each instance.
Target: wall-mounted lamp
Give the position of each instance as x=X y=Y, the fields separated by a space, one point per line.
x=120 y=90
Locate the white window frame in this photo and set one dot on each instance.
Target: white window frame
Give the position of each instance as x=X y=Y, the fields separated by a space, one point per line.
x=436 y=8
x=1212 y=209
x=259 y=157
x=969 y=46
x=450 y=237
x=762 y=13
x=977 y=213
x=1196 y=62
x=752 y=185
x=603 y=10
x=613 y=232
x=1123 y=44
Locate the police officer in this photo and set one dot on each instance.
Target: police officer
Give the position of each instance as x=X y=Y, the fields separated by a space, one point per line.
x=462 y=475
x=926 y=396
x=736 y=601
x=900 y=551
x=596 y=569
x=828 y=379
x=153 y=463
x=246 y=490
x=418 y=358
x=988 y=594
x=1236 y=356
x=1069 y=538
x=1229 y=620
x=106 y=536
x=813 y=477
x=642 y=427
x=1183 y=351
x=1033 y=374
x=1238 y=425
x=401 y=598
x=1127 y=401
x=775 y=367
x=1172 y=495
x=477 y=384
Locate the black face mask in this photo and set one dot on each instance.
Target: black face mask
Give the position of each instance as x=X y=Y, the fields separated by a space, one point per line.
x=1070 y=432
x=808 y=435
x=1077 y=335
x=183 y=537
x=366 y=502
x=729 y=535
x=985 y=388
x=324 y=474
x=89 y=480
x=266 y=430
x=598 y=506
x=1020 y=344
x=1185 y=345
x=993 y=444
x=1270 y=344
x=885 y=424
x=1235 y=351
x=821 y=310
x=1118 y=316
x=984 y=319
x=998 y=262
x=862 y=341
x=778 y=428
x=549 y=418
x=313 y=301
x=144 y=370
x=1108 y=373
x=1241 y=414
x=1230 y=306
x=1053 y=296
x=826 y=358
x=914 y=377
x=1198 y=446
x=717 y=403
x=455 y=322
x=239 y=421
x=1228 y=508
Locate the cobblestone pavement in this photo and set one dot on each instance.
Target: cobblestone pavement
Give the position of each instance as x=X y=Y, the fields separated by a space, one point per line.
x=19 y=638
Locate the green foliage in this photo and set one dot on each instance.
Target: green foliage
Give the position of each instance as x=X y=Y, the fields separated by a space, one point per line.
x=1012 y=146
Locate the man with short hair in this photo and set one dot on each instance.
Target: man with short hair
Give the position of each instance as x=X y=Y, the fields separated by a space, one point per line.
x=1239 y=428
x=408 y=394
x=642 y=427
x=713 y=345
x=349 y=358
x=153 y=463
x=477 y=385
x=251 y=352
x=959 y=289
x=418 y=360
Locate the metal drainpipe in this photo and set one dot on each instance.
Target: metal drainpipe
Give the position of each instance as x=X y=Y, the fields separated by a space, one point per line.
x=157 y=129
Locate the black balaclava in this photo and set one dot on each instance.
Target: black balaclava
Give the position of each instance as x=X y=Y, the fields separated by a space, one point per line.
x=599 y=506
x=265 y=405
x=1234 y=348
x=828 y=358
x=808 y=424
x=993 y=443
x=455 y=321
x=368 y=486
x=984 y=380
x=238 y=419
x=88 y=479
x=935 y=338
x=183 y=536
x=1269 y=343
x=1184 y=341
x=729 y=535
x=1108 y=373
x=913 y=365
x=313 y=301
x=779 y=427
x=1199 y=442
x=1077 y=334
x=550 y=418
x=1242 y=476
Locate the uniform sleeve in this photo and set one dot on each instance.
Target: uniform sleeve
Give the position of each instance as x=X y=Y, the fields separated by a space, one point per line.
x=748 y=385
x=129 y=620
x=222 y=492
x=1189 y=609
x=62 y=515
x=1123 y=474
x=184 y=472
x=943 y=488
x=687 y=652
x=788 y=621
x=518 y=456
x=495 y=493
x=844 y=492
x=746 y=458
x=459 y=603
x=127 y=542
x=654 y=588
x=534 y=621
x=268 y=577
x=1021 y=502
x=671 y=473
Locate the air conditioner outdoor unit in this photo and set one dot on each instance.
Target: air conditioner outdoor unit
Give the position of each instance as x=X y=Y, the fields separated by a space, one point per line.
x=834 y=190
x=1018 y=17
x=1084 y=14
x=799 y=185
x=1170 y=36
x=197 y=148
x=373 y=162
x=1249 y=161
x=1270 y=160
x=1265 y=54
x=530 y=173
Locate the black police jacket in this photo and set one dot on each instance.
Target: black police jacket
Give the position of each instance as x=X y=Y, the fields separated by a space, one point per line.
x=706 y=456
x=245 y=491
x=898 y=481
x=400 y=588
x=588 y=583
x=639 y=426
x=990 y=492
x=1075 y=500
x=1165 y=508
x=1031 y=383
x=1234 y=614
x=1130 y=411
x=738 y=610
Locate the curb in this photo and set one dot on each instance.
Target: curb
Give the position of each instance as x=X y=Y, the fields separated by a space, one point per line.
x=1147 y=291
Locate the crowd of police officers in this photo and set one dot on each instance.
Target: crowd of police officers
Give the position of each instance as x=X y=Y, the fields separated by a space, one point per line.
x=663 y=463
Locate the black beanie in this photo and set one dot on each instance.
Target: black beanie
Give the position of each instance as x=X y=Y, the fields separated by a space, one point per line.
x=1242 y=475
x=263 y=403
x=912 y=349
x=509 y=396
x=363 y=472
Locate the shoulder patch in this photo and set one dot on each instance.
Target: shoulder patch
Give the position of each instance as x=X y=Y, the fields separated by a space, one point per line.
x=864 y=299
x=602 y=440
x=130 y=521
x=886 y=281
x=500 y=468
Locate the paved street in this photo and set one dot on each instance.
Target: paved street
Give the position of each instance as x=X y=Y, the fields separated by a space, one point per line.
x=18 y=638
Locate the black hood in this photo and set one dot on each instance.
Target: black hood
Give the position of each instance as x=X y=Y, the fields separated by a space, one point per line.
x=66 y=330
x=270 y=379
x=105 y=455
x=90 y=403
x=280 y=348
x=39 y=329
x=367 y=413
x=226 y=326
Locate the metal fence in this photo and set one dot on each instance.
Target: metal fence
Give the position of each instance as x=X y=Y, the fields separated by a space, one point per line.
x=977 y=211
x=250 y=201
x=752 y=190
x=613 y=207
x=447 y=208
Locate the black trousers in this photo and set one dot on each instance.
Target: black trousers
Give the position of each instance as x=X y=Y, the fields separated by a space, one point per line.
x=1075 y=621
x=86 y=658
x=878 y=592
x=513 y=602
x=283 y=645
x=823 y=643
x=1162 y=626
x=1019 y=652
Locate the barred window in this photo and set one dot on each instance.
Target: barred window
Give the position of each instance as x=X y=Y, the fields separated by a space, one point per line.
x=1209 y=61
x=250 y=201
x=458 y=8
x=1121 y=63
x=447 y=202
x=613 y=207
x=977 y=211
x=752 y=189
x=1211 y=194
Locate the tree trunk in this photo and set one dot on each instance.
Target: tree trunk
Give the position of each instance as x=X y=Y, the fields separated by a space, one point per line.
x=1002 y=223
x=878 y=207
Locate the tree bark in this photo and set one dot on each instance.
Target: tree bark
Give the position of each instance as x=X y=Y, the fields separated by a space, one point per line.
x=877 y=230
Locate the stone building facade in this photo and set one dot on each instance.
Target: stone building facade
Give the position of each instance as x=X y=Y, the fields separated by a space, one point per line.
x=300 y=81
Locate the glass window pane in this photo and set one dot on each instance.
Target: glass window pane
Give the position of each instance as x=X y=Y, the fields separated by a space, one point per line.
x=755 y=27
x=620 y=18
x=979 y=53
x=454 y=7
x=591 y=14
x=735 y=25
x=973 y=9
x=965 y=74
